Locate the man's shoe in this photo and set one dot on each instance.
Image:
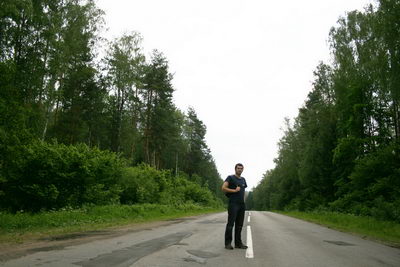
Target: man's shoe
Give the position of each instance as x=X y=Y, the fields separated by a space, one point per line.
x=242 y=246
x=228 y=247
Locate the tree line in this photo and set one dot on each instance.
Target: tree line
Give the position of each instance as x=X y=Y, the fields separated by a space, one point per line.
x=59 y=88
x=342 y=152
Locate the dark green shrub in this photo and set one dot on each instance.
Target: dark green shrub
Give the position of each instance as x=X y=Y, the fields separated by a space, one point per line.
x=51 y=176
x=145 y=184
x=142 y=184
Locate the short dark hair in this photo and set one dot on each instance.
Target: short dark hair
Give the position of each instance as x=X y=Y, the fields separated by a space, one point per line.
x=238 y=164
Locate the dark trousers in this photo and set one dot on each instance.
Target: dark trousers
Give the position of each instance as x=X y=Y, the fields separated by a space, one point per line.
x=235 y=217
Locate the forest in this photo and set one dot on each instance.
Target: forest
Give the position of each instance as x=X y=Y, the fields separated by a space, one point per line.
x=85 y=120
x=342 y=151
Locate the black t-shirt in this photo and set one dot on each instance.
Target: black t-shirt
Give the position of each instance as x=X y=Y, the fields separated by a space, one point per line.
x=233 y=182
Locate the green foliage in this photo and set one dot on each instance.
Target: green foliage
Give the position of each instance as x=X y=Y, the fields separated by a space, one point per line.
x=144 y=184
x=53 y=176
x=48 y=176
x=52 y=87
x=124 y=64
x=342 y=152
x=375 y=185
x=378 y=173
x=185 y=191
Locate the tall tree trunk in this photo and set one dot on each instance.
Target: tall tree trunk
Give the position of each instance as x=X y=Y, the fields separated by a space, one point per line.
x=41 y=92
x=45 y=128
x=147 y=128
x=58 y=97
x=396 y=119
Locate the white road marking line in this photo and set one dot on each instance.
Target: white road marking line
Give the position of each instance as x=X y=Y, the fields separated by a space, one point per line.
x=249 y=250
x=248 y=219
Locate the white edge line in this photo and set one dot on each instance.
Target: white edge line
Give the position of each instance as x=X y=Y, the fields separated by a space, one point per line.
x=249 y=250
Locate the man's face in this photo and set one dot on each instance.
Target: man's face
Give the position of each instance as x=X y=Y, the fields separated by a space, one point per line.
x=239 y=170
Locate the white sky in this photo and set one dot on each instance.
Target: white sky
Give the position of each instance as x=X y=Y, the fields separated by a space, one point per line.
x=242 y=65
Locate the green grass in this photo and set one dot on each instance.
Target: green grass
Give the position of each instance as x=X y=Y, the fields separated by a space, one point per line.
x=387 y=232
x=21 y=227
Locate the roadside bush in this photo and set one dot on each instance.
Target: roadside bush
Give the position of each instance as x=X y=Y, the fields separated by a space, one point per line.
x=375 y=186
x=142 y=184
x=47 y=176
x=145 y=184
x=51 y=176
x=191 y=192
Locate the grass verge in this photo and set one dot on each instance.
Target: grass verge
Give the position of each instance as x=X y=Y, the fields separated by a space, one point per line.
x=387 y=232
x=21 y=227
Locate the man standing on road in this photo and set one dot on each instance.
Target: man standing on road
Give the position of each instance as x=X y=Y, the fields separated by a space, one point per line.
x=234 y=188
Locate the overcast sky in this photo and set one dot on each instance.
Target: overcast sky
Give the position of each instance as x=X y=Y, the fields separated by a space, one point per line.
x=242 y=65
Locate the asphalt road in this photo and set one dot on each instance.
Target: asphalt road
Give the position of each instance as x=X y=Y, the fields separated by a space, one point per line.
x=273 y=239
